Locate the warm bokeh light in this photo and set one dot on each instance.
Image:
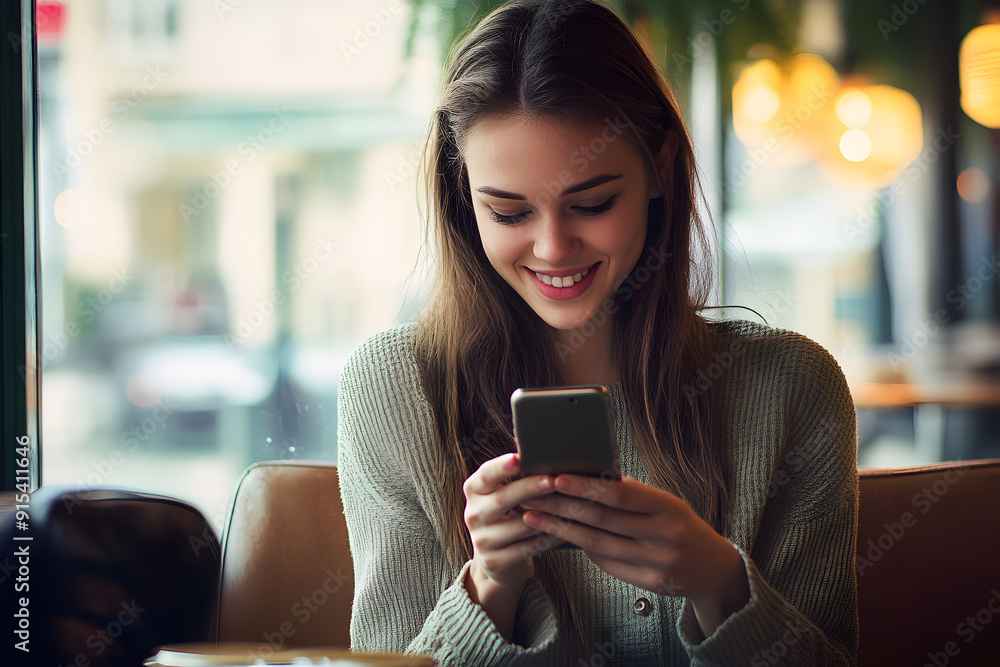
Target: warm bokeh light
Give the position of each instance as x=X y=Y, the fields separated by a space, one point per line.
x=854 y=108
x=797 y=112
x=72 y=208
x=755 y=96
x=762 y=103
x=855 y=145
x=875 y=133
x=776 y=107
x=973 y=185
x=979 y=74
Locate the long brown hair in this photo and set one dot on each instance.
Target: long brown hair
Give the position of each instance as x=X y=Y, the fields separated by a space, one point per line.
x=571 y=61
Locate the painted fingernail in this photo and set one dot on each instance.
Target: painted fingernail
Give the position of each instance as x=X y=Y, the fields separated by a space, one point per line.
x=544 y=483
x=510 y=462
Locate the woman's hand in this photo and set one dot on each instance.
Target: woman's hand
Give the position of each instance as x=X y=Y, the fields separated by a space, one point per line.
x=503 y=545
x=647 y=537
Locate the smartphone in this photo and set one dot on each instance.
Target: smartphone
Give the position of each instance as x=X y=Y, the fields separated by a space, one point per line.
x=567 y=429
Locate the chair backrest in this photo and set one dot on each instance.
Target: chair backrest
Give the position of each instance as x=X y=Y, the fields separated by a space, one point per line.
x=287 y=575
x=108 y=575
x=928 y=564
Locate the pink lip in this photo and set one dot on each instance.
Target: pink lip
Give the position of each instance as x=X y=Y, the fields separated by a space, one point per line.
x=563 y=274
x=564 y=293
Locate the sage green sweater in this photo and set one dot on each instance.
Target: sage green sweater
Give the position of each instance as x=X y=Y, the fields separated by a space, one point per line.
x=793 y=445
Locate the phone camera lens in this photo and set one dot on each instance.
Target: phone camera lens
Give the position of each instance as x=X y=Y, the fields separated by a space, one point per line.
x=572 y=399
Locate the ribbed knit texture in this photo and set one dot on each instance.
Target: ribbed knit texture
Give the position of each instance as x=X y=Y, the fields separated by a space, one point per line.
x=792 y=439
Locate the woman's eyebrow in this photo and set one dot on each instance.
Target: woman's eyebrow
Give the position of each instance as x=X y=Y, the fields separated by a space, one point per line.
x=579 y=187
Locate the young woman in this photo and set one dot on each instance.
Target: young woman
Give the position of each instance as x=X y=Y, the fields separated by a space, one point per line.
x=563 y=189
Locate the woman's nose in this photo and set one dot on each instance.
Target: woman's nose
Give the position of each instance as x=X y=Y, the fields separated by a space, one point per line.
x=555 y=240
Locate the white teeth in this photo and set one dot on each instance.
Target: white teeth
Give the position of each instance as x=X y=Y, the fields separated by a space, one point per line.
x=556 y=281
x=568 y=281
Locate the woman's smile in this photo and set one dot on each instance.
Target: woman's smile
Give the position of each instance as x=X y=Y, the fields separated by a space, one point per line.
x=560 y=288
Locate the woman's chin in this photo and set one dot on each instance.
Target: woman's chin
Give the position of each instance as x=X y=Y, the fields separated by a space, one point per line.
x=568 y=324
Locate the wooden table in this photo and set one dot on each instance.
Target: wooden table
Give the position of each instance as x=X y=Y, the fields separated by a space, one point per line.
x=929 y=402
x=205 y=654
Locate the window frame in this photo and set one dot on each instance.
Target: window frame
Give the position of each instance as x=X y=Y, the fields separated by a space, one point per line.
x=20 y=269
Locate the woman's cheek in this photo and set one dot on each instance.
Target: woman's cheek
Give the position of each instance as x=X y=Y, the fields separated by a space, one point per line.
x=500 y=251
x=619 y=236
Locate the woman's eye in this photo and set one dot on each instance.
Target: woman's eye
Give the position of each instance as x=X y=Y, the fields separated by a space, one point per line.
x=506 y=219
x=584 y=210
x=597 y=210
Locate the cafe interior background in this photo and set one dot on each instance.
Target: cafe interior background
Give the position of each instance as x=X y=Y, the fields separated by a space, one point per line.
x=228 y=206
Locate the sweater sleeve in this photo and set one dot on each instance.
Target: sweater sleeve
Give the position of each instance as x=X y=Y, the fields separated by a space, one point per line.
x=406 y=597
x=803 y=585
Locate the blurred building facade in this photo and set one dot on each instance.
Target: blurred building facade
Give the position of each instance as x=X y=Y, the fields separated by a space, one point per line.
x=228 y=207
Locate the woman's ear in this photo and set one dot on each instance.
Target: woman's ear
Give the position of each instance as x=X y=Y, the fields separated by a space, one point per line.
x=664 y=161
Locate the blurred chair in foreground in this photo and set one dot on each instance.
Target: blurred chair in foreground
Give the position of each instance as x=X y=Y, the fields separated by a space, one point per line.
x=109 y=575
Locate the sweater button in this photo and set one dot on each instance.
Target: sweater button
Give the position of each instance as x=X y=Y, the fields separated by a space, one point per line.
x=642 y=607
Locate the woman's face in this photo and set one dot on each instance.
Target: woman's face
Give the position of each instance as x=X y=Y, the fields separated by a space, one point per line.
x=559 y=201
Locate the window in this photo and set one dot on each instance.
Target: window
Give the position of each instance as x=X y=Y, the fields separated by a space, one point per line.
x=226 y=209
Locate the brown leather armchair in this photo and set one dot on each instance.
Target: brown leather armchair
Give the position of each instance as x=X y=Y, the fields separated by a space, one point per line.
x=928 y=558
x=929 y=564
x=287 y=577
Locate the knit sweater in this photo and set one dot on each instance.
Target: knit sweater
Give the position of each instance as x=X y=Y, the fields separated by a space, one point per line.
x=792 y=442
